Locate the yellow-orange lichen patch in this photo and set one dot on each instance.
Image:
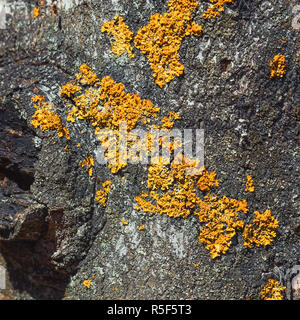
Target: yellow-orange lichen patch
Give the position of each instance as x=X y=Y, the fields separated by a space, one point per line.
x=87 y=283
x=45 y=117
x=38 y=99
x=216 y=8
x=121 y=34
x=272 y=290
x=35 y=12
x=262 y=231
x=159 y=177
x=109 y=104
x=142 y=227
x=278 y=66
x=176 y=194
x=125 y=223
x=89 y=163
x=161 y=39
x=86 y=75
x=143 y=204
x=249 y=184
x=221 y=222
x=173 y=192
x=106 y=105
x=182 y=5
x=69 y=89
x=168 y=121
x=124 y=106
x=207 y=180
x=101 y=195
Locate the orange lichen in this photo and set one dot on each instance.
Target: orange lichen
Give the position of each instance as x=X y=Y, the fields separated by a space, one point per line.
x=122 y=36
x=144 y=205
x=168 y=121
x=16 y=133
x=163 y=140
x=207 y=181
x=222 y=222
x=176 y=196
x=53 y=8
x=125 y=223
x=249 y=184
x=278 y=66
x=89 y=163
x=123 y=106
x=159 y=177
x=105 y=106
x=101 y=195
x=116 y=106
x=35 y=12
x=272 y=290
x=69 y=89
x=46 y=119
x=216 y=8
x=87 y=283
x=177 y=193
x=86 y=75
x=38 y=99
x=161 y=39
x=264 y=231
x=142 y=227
x=174 y=193
x=182 y=5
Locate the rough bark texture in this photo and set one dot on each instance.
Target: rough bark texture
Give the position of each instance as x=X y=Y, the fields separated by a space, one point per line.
x=54 y=235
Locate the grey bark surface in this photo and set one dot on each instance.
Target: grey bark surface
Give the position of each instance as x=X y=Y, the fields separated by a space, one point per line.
x=53 y=235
